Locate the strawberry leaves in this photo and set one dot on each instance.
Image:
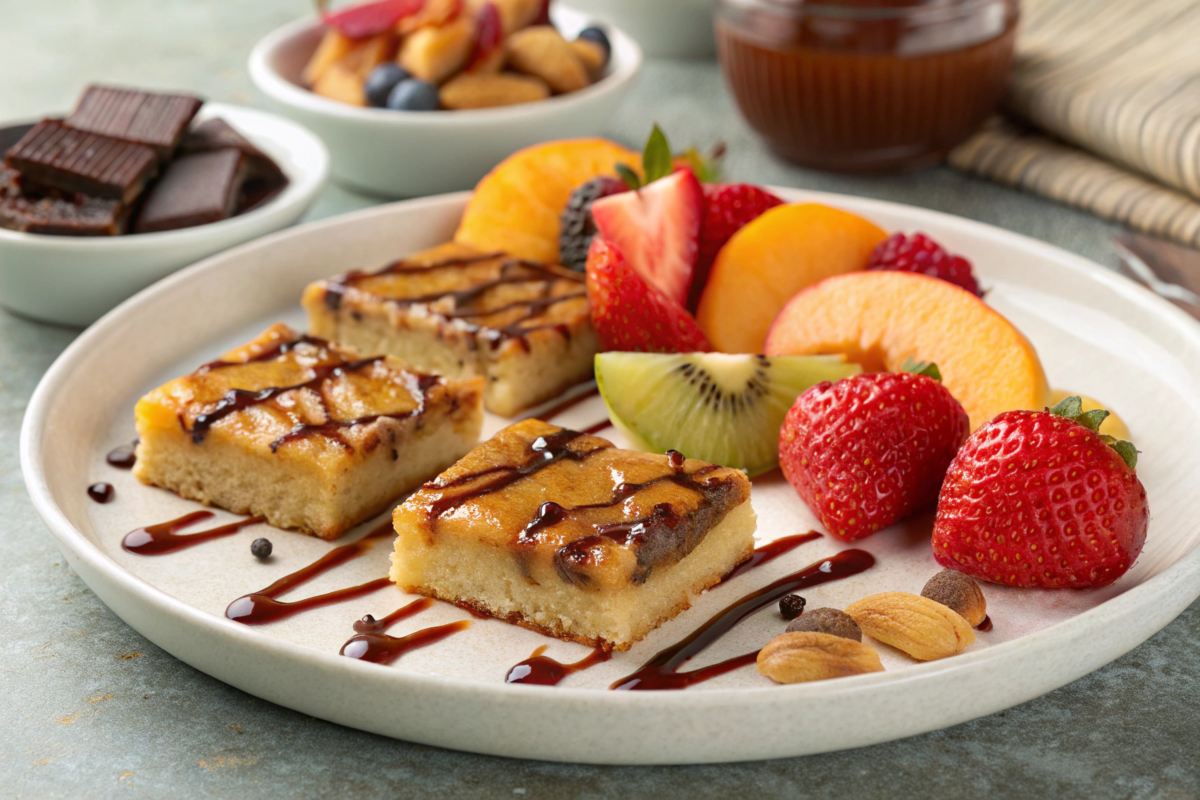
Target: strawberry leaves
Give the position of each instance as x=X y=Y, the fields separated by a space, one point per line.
x=1072 y=408
x=658 y=162
x=926 y=368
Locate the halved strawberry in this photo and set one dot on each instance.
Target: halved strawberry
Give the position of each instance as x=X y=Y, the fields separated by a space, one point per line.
x=630 y=314
x=658 y=229
x=371 y=19
x=727 y=207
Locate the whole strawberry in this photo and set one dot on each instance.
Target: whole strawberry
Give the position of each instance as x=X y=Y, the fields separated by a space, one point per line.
x=727 y=207
x=1039 y=498
x=918 y=253
x=632 y=315
x=868 y=451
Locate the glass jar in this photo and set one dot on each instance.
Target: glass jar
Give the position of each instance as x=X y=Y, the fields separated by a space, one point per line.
x=866 y=85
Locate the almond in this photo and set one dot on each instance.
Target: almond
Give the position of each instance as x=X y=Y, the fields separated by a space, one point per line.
x=341 y=83
x=923 y=628
x=827 y=620
x=809 y=656
x=435 y=53
x=592 y=54
x=959 y=592
x=484 y=90
x=515 y=14
x=433 y=13
x=541 y=51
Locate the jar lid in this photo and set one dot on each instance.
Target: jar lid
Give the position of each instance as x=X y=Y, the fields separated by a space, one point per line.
x=862 y=9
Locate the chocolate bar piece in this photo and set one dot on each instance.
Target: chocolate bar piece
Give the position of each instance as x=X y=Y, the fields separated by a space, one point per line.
x=11 y=135
x=157 y=121
x=194 y=190
x=56 y=215
x=55 y=156
x=217 y=134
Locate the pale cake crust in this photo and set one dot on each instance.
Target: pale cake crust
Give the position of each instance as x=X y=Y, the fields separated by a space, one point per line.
x=310 y=435
x=525 y=327
x=566 y=534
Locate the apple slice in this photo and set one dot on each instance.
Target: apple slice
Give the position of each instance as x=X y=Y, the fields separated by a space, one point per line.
x=658 y=229
x=371 y=19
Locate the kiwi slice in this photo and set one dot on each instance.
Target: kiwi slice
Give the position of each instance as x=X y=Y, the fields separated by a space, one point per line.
x=718 y=407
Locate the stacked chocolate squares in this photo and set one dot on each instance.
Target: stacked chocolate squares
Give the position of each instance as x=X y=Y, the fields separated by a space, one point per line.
x=126 y=161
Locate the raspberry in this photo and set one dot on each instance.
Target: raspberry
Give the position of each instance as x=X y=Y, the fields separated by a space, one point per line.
x=576 y=226
x=918 y=253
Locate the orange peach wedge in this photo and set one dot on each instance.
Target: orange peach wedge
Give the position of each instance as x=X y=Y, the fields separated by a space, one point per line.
x=765 y=263
x=517 y=206
x=881 y=319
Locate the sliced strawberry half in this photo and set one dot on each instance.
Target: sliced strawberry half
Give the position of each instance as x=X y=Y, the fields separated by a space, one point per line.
x=371 y=19
x=630 y=314
x=657 y=228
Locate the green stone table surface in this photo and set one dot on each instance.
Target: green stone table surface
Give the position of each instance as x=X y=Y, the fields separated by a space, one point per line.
x=80 y=718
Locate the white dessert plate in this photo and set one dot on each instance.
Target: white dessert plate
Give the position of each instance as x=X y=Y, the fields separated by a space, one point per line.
x=1097 y=333
x=74 y=280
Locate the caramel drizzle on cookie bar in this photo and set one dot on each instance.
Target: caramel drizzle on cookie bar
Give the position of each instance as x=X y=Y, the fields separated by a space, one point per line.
x=545 y=450
x=418 y=385
x=336 y=289
x=662 y=519
x=555 y=447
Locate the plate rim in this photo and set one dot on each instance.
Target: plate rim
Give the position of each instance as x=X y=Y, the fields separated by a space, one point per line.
x=1153 y=597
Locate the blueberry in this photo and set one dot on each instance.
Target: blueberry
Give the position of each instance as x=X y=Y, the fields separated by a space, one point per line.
x=261 y=548
x=413 y=95
x=597 y=35
x=381 y=81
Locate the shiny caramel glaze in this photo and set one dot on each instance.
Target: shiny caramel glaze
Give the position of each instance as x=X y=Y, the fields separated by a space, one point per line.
x=293 y=395
x=573 y=507
x=485 y=298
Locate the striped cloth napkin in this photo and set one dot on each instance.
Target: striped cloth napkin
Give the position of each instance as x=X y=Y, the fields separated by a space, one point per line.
x=1103 y=113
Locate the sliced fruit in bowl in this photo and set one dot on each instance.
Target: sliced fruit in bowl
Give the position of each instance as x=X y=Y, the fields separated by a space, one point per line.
x=881 y=319
x=765 y=263
x=717 y=407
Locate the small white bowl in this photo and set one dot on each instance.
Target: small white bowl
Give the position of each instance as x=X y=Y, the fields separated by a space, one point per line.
x=75 y=280
x=664 y=28
x=413 y=153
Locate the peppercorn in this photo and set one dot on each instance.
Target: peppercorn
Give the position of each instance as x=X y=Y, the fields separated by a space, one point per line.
x=791 y=606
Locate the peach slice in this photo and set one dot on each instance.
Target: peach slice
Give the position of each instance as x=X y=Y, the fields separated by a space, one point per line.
x=765 y=263
x=881 y=319
x=517 y=206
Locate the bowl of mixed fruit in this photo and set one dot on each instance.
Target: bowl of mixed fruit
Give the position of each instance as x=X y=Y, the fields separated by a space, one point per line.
x=417 y=97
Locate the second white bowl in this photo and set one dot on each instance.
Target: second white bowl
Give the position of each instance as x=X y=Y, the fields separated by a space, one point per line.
x=413 y=153
x=74 y=280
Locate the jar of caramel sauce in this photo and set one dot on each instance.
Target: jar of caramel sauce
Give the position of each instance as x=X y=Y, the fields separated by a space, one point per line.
x=866 y=85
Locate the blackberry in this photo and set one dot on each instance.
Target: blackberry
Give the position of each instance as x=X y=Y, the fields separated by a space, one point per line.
x=576 y=226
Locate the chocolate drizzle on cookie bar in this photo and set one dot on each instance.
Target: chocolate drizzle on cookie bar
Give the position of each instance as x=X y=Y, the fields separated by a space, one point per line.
x=333 y=364
x=466 y=307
